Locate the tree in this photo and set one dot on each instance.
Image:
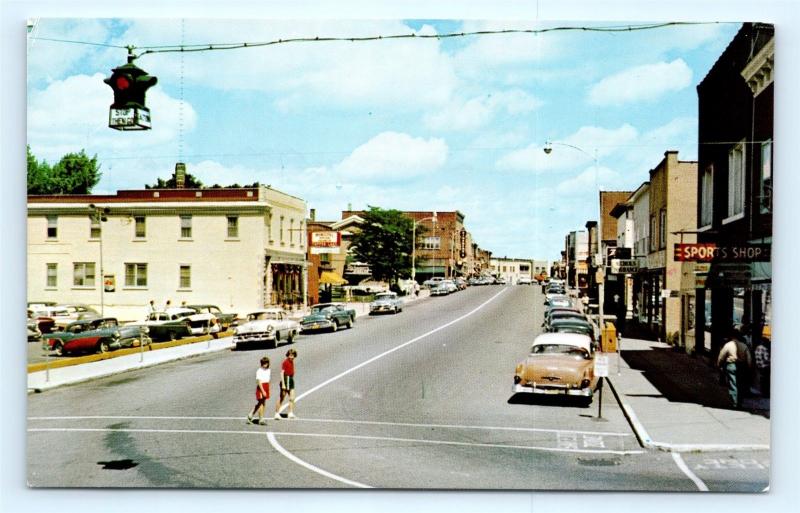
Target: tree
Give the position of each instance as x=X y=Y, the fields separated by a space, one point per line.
x=75 y=173
x=384 y=243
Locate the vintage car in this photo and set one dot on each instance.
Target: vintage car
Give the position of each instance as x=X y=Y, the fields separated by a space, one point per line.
x=270 y=325
x=34 y=333
x=557 y=300
x=77 y=312
x=524 y=280
x=225 y=320
x=95 y=335
x=559 y=363
x=563 y=314
x=51 y=318
x=386 y=302
x=328 y=316
x=440 y=290
x=163 y=326
x=432 y=282
x=199 y=323
x=570 y=325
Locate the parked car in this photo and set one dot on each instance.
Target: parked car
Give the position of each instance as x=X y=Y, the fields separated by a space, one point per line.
x=500 y=280
x=440 y=290
x=570 y=325
x=78 y=312
x=34 y=333
x=558 y=363
x=163 y=326
x=203 y=323
x=432 y=282
x=51 y=318
x=461 y=283
x=386 y=302
x=563 y=314
x=225 y=320
x=95 y=335
x=524 y=280
x=270 y=325
x=328 y=316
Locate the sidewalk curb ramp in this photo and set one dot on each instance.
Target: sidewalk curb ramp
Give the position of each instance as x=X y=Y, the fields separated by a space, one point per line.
x=645 y=441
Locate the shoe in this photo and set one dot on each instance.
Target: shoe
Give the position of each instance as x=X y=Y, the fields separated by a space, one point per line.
x=262 y=422
x=250 y=419
x=277 y=416
x=292 y=416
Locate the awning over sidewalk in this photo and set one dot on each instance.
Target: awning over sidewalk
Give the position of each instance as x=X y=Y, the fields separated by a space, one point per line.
x=331 y=278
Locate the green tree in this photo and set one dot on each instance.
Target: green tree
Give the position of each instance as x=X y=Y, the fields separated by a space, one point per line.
x=75 y=173
x=384 y=243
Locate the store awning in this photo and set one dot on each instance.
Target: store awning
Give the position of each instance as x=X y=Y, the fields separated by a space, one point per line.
x=331 y=278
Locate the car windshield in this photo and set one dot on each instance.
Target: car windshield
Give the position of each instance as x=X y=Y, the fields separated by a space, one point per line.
x=322 y=309
x=264 y=316
x=564 y=349
x=384 y=296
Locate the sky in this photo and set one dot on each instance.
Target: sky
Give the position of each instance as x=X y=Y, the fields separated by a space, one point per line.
x=414 y=124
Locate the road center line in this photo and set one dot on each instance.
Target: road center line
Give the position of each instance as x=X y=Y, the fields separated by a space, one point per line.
x=340 y=421
x=686 y=470
x=390 y=351
x=329 y=435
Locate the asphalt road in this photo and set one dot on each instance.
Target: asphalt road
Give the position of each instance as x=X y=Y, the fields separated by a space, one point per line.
x=415 y=400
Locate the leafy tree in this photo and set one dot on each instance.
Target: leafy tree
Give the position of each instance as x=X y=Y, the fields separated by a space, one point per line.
x=75 y=173
x=384 y=243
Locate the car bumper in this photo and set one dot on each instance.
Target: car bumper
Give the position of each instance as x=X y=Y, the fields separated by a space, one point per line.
x=381 y=309
x=317 y=325
x=253 y=337
x=551 y=390
x=204 y=330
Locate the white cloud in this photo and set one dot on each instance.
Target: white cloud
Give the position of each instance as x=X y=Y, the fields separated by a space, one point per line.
x=574 y=150
x=480 y=110
x=641 y=83
x=72 y=114
x=393 y=156
x=588 y=181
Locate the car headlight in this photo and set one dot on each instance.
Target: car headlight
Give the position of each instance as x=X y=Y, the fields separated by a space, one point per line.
x=517 y=380
x=585 y=383
x=270 y=328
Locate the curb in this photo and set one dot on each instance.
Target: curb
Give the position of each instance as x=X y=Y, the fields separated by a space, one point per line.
x=134 y=367
x=646 y=442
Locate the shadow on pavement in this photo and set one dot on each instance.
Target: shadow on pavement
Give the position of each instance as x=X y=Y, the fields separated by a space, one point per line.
x=683 y=378
x=561 y=401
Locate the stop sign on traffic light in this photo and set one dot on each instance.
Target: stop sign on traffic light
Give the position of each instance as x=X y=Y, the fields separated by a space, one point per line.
x=130 y=84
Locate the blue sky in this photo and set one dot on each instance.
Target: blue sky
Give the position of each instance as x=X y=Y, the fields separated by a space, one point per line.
x=422 y=124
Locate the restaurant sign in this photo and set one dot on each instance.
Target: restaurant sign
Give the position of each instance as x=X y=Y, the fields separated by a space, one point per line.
x=711 y=252
x=324 y=242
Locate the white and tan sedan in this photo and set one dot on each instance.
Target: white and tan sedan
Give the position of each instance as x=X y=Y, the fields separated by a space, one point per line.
x=271 y=326
x=558 y=363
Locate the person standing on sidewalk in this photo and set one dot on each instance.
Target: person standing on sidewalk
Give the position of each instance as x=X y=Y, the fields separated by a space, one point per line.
x=151 y=308
x=262 y=392
x=734 y=360
x=287 y=385
x=763 y=365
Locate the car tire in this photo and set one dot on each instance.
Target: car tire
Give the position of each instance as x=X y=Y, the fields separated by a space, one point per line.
x=290 y=338
x=58 y=349
x=103 y=347
x=349 y=323
x=334 y=327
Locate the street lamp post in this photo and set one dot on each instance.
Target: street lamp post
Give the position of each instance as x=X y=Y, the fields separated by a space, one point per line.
x=414 y=244
x=100 y=215
x=548 y=148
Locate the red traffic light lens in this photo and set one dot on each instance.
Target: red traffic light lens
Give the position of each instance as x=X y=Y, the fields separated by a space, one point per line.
x=122 y=83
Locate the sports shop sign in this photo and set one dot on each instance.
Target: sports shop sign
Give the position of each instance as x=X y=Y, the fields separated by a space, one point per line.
x=711 y=252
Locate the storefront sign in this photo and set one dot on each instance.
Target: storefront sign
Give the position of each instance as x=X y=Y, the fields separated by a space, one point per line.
x=463 y=241
x=619 y=266
x=109 y=283
x=711 y=252
x=324 y=242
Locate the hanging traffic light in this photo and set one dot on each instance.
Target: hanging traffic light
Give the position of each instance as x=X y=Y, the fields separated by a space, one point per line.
x=130 y=84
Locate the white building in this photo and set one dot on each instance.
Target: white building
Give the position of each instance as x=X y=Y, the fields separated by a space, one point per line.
x=511 y=269
x=237 y=248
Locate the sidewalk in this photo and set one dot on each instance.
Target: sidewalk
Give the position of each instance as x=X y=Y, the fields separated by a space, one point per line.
x=56 y=377
x=675 y=402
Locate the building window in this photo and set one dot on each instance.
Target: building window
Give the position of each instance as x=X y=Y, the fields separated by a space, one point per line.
x=765 y=182
x=135 y=275
x=94 y=227
x=52 y=227
x=269 y=228
x=186 y=227
x=83 y=274
x=662 y=229
x=185 y=277
x=281 y=227
x=432 y=243
x=52 y=275
x=291 y=232
x=140 y=231
x=707 y=196
x=233 y=227
x=736 y=159
x=653 y=232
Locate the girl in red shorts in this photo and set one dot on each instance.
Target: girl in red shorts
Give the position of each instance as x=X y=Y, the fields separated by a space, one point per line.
x=262 y=392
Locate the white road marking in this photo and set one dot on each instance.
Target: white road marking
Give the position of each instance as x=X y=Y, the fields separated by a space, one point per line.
x=327 y=435
x=278 y=447
x=337 y=421
x=686 y=470
x=401 y=346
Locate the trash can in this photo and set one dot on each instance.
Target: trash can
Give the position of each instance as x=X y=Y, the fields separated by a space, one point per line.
x=608 y=338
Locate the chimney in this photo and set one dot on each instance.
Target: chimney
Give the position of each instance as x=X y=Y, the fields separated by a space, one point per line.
x=180 y=175
x=313 y=214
